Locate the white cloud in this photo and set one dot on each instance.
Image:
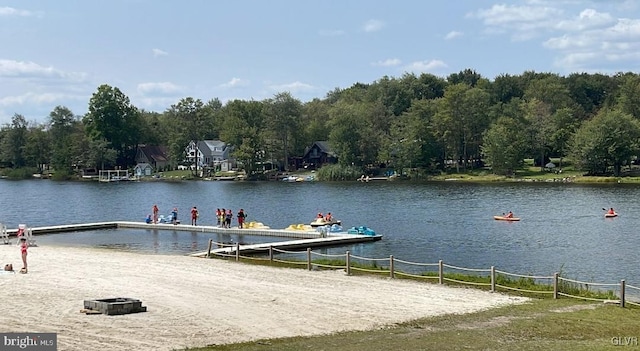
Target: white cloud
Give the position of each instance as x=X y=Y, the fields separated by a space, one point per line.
x=331 y=32
x=10 y=11
x=387 y=63
x=523 y=22
x=373 y=25
x=587 y=19
x=158 y=52
x=425 y=66
x=453 y=34
x=293 y=87
x=235 y=83
x=158 y=88
x=41 y=98
x=22 y=69
x=567 y=42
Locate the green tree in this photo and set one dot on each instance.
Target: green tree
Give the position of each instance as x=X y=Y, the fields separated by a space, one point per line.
x=505 y=144
x=610 y=139
x=189 y=118
x=37 y=148
x=113 y=118
x=62 y=124
x=14 y=141
x=283 y=115
x=242 y=127
x=352 y=136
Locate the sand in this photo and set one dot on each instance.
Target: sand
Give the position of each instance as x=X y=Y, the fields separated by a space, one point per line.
x=196 y=302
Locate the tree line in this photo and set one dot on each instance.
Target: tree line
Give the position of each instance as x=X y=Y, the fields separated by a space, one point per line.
x=421 y=122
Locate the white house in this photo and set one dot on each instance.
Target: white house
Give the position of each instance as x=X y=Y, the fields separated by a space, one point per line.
x=143 y=169
x=210 y=153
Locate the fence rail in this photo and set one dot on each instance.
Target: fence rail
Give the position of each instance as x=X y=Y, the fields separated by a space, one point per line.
x=556 y=285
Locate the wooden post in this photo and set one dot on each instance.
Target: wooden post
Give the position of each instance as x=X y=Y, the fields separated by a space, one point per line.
x=209 y=248
x=237 y=251
x=348 y=262
x=622 y=292
x=391 y=267
x=308 y=258
x=555 y=285
x=440 y=272
x=271 y=253
x=493 y=279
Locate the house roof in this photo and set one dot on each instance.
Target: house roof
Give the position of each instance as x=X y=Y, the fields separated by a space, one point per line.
x=156 y=152
x=143 y=165
x=211 y=144
x=323 y=146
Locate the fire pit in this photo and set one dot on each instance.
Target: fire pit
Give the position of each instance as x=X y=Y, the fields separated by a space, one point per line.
x=115 y=306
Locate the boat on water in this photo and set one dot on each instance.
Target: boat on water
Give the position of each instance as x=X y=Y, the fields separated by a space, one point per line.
x=320 y=222
x=505 y=218
x=610 y=215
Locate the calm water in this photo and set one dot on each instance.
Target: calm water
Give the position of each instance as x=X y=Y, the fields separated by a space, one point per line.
x=562 y=227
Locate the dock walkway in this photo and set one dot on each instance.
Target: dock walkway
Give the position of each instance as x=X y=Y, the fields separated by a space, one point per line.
x=300 y=239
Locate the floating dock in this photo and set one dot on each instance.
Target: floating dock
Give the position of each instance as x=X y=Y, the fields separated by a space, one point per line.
x=299 y=239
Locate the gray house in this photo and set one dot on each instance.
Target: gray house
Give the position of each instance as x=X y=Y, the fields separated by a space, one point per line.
x=210 y=153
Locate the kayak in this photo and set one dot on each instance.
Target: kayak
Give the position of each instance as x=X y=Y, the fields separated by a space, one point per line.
x=610 y=215
x=503 y=218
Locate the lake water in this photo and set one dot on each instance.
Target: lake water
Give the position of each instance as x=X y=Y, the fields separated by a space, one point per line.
x=562 y=227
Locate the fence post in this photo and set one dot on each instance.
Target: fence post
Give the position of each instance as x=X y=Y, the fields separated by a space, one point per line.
x=237 y=251
x=622 y=292
x=440 y=272
x=308 y=258
x=348 y=261
x=271 y=253
x=493 y=279
x=555 y=285
x=209 y=248
x=391 y=266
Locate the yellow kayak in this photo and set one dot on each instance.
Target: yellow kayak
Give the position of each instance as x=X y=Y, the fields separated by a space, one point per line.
x=504 y=218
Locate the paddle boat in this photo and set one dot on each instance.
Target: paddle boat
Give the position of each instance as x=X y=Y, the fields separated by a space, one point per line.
x=505 y=218
x=321 y=222
x=361 y=230
x=610 y=215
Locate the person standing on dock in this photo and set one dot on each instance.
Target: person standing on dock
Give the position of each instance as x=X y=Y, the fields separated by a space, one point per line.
x=241 y=216
x=194 y=216
x=227 y=219
x=155 y=211
x=218 y=216
x=174 y=216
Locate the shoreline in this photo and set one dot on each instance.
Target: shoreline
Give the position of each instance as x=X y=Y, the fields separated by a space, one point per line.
x=194 y=302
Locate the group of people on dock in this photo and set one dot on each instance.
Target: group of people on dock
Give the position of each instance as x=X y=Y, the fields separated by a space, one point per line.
x=223 y=216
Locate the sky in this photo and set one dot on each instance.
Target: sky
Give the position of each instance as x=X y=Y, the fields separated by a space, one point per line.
x=57 y=53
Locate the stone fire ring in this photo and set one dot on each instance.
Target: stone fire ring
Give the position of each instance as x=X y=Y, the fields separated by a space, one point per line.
x=114 y=306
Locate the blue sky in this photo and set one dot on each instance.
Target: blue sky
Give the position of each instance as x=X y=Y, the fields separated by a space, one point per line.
x=159 y=51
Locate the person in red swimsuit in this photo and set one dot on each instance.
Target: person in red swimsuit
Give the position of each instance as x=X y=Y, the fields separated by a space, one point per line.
x=23 y=251
x=194 y=216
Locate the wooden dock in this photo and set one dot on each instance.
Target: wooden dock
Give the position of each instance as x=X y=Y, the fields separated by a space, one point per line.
x=330 y=240
x=301 y=239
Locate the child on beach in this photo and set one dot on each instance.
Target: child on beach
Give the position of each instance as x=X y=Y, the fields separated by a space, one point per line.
x=23 y=251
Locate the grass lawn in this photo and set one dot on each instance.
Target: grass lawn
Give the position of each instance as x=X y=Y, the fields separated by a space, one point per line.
x=543 y=324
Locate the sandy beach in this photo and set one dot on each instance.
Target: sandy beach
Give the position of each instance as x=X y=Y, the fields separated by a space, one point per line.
x=196 y=302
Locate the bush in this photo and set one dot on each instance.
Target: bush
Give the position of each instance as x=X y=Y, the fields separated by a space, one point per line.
x=338 y=172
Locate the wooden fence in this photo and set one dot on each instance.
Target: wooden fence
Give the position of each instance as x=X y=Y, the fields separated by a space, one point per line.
x=558 y=286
